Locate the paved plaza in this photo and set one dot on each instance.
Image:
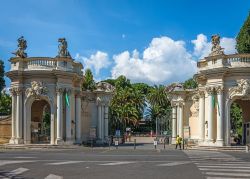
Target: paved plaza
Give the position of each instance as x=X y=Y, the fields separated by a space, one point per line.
x=123 y=162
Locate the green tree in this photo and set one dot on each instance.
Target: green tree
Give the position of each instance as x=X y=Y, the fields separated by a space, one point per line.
x=2 y=81
x=5 y=104
x=88 y=81
x=190 y=84
x=236 y=119
x=159 y=106
x=127 y=105
x=243 y=38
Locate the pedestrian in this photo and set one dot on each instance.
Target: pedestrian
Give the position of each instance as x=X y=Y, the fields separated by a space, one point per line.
x=178 y=142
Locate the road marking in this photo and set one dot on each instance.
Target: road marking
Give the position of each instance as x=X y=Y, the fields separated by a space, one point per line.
x=223 y=164
x=223 y=178
x=52 y=176
x=23 y=157
x=237 y=167
x=116 y=163
x=14 y=173
x=172 y=164
x=6 y=162
x=63 y=163
x=224 y=170
x=228 y=174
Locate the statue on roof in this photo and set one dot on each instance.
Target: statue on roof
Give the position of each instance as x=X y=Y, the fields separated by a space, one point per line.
x=22 y=45
x=216 y=48
x=63 y=48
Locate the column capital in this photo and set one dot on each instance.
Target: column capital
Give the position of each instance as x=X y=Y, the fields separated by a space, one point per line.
x=219 y=89
x=12 y=91
x=201 y=94
x=210 y=90
x=68 y=90
x=18 y=91
x=181 y=104
x=59 y=90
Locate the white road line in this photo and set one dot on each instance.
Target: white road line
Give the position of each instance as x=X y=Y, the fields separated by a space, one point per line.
x=228 y=174
x=52 y=176
x=115 y=163
x=222 y=164
x=23 y=157
x=63 y=163
x=237 y=167
x=223 y=178
x=19 y=171
x=6 y=162
x=172 y=164
x=224 y=170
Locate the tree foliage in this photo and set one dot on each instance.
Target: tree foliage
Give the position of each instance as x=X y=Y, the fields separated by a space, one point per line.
x=190 y=84
x=2 y=81
x=243 y=38
x=5 y=104
x=236 y=119
x=88 y=81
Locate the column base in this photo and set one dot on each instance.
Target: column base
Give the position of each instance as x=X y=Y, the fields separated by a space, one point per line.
x=219 y=142
x=173 y=140
x=59 y=142
x=78 y=141
x=12 y=141
x=18 y=141
x=207 y=142
x=69 y=142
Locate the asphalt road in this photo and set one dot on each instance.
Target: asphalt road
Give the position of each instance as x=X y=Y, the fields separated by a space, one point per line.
x=123 y=163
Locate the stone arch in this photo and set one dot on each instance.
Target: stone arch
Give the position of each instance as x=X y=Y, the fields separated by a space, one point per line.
x=27 y=117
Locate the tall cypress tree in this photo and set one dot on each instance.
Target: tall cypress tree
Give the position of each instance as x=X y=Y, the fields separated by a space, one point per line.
x=2 y=81
x=243 y=38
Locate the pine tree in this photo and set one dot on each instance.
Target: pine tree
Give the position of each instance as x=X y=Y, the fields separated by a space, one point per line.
x=88 y=81
x=243 y=38
x=2 y=81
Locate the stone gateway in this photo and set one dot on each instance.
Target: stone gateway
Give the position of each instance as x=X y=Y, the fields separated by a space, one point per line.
x=48 y=105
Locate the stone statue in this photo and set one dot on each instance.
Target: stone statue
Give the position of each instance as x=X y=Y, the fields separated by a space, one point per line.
x=216 y=48
x=22 y=45
x=36 y=89
x=63 y=48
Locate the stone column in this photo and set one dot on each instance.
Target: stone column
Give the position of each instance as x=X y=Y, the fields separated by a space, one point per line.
x=13 y=115
x=52 y=127
x=210 y=115
x=78 y=118
x=68 y=117
x=220 y=114
x=180 y=106
x=202 y=116
x=106 y=122
x=99 y=121
x=59 y=116
x=19 y=116
x=174 y=124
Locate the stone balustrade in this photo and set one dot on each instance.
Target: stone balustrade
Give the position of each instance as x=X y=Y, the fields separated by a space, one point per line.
x=45 y=63
x=230 y=61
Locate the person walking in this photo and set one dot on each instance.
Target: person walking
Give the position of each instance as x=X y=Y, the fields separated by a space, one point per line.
x=178 y=142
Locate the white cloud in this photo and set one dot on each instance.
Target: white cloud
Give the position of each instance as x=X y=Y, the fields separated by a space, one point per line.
x=164 y=61
x=202 y=47
x=96 y=61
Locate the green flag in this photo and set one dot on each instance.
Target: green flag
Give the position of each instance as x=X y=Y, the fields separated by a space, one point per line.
x=218 y=106
x=67 y=99
x=213 y=101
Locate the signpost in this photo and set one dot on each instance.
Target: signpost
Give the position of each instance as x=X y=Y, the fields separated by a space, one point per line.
x=155 y=143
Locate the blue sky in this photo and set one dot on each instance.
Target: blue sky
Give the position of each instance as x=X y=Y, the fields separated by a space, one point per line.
x=148 y=41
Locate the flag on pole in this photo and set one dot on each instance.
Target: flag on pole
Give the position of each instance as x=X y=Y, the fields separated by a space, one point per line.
x=67 y=99
x=213 y=101
x=218 y=106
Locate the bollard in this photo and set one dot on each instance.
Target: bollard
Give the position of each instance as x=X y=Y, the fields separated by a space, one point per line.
x=91 y=143
x=247 y=148
x=183 y=144
x=164 y=144
x=116 y=144
x=109 y=143
x=155 y=143
x=134 y=144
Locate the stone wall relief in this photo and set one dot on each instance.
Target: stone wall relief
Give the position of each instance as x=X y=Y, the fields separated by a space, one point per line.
x=241 y=90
